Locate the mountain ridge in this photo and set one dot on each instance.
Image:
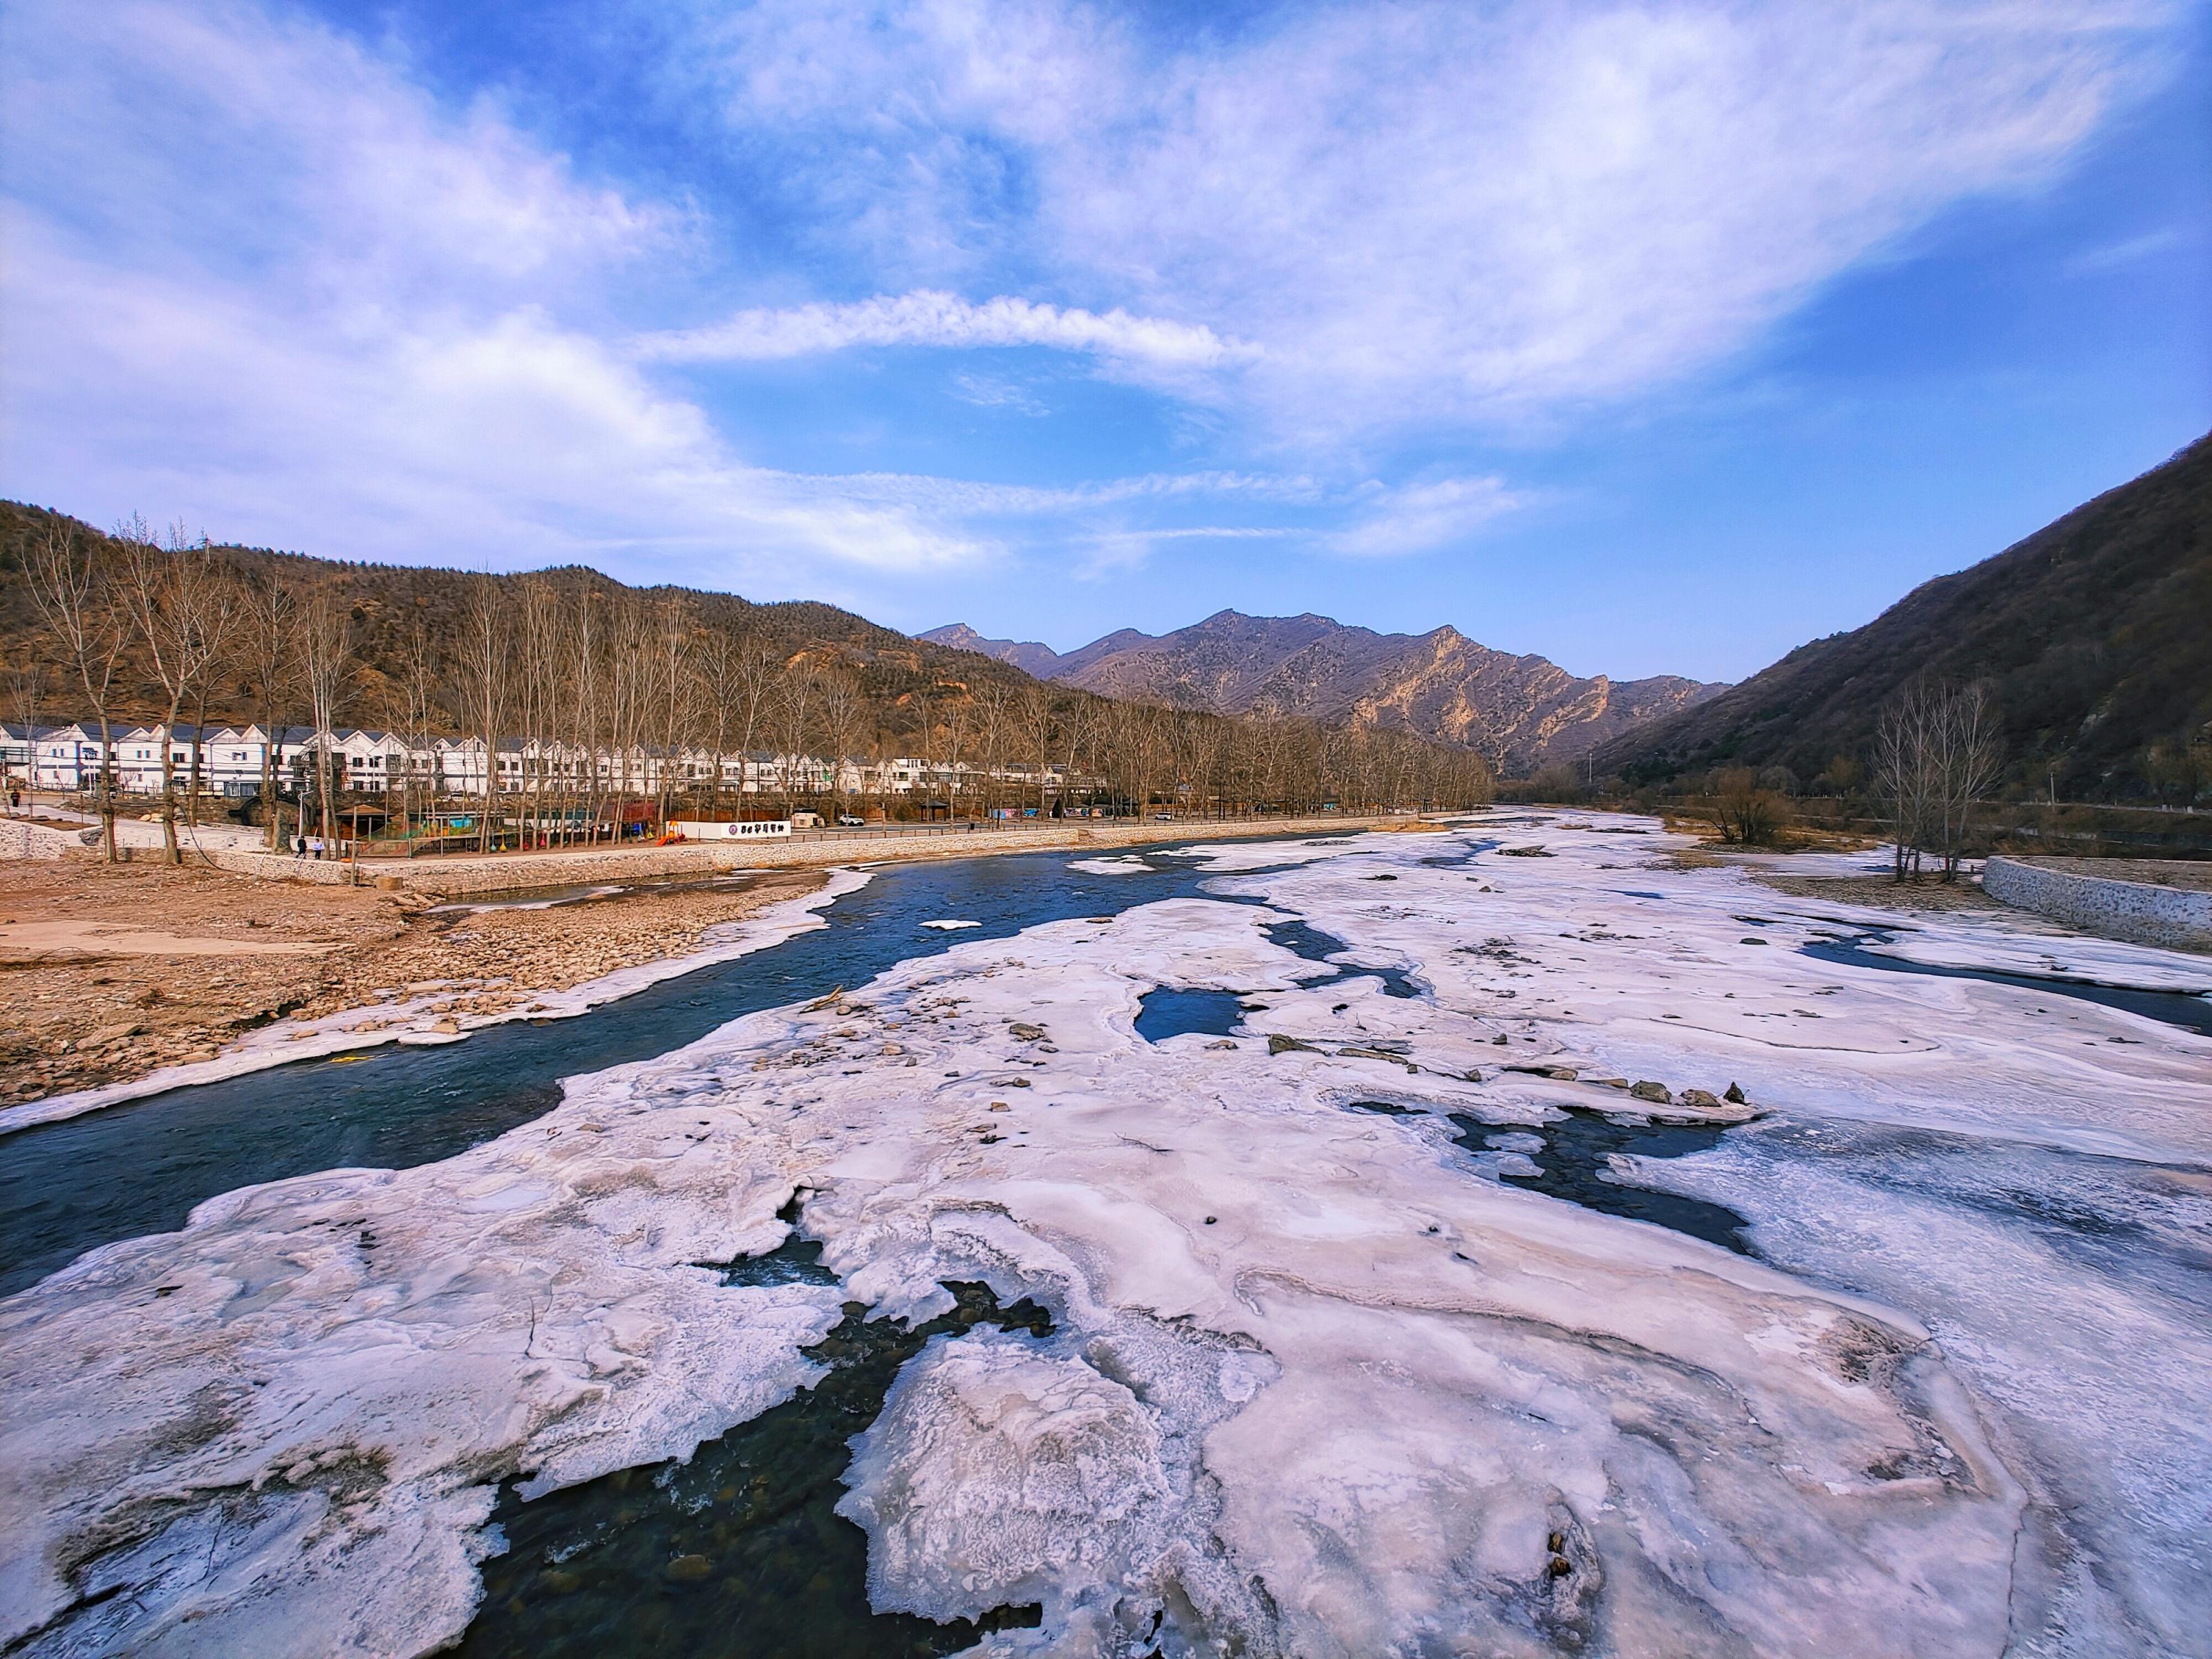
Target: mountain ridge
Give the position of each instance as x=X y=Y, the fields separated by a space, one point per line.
x=1521 y=711
x=2094 y=636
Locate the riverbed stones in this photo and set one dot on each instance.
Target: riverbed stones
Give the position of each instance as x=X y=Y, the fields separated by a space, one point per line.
x=1657 y=1093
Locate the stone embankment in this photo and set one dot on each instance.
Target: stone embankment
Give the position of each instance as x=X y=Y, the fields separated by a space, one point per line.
x=461 y=875
x=2147 y=901
x=20 y=838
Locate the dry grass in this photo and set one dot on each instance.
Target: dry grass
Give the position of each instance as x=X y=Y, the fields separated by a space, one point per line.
x=1879 y=892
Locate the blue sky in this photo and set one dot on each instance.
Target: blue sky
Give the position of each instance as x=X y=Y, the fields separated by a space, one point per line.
x=1653 y=337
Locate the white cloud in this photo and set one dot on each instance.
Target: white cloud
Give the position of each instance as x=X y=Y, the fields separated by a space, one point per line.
x=285 y=295
x=260 y=275
x=2131 y=252
x=989 y=392
x=1113 y=552
x=930 y=318
x=1423 y=517
x=507 y=438
x=1417 y=212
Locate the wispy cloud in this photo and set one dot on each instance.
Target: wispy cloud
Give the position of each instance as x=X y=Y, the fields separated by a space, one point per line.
x=2132 y=251
x=989 y=392
x=1422 y=516
x=288 y=296
x=1423 y=212
x=263 y=275
x=1113 y=552
x=935 y=318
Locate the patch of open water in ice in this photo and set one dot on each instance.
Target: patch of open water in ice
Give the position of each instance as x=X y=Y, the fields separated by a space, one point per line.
x=2171 y=1007
x=1576 y=1164
x=140 y=1167
x=741 y=1548
x=1302 y=940
x=1176 y=1010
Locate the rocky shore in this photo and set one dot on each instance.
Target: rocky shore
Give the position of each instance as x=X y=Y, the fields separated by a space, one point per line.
x=112 y=972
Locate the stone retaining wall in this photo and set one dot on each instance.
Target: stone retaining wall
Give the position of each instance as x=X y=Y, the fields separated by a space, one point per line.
x=20 y=838
x=459 y=876
x=2137 y=910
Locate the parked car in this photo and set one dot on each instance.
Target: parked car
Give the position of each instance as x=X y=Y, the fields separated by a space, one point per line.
x=847 y=821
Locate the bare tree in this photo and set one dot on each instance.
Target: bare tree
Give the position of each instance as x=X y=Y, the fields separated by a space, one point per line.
x=411 y=713
x=1969 y=754
x=485 y=691
x=1936 y=753
x=25 y=686
x=795 y=714
x=1748 y=815
x=671 y=664
x=1033 y=724
x=716 y=674
x=72 y=588
x=326 y=665
x=269 y=648
x=842 y=710
x=179 y=602
x=955 y=724
x=222 y=605
x=994 y=707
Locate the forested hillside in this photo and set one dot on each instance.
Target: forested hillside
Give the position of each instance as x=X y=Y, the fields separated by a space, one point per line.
x=569 y=656
x=390 y=607
x=2093 y=636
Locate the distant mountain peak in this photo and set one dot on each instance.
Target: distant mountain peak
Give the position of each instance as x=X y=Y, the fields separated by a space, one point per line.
x=1030 y=656
x=1523 y=711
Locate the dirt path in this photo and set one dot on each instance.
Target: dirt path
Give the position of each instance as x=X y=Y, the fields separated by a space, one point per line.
x=110 y=971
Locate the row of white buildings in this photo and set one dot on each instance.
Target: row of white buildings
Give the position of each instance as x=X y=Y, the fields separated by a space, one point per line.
x=233 y=760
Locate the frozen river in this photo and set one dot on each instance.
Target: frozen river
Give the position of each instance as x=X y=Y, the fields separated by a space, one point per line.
x=1248 y=1249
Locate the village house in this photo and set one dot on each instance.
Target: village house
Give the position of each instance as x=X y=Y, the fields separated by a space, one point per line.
x=235 y=761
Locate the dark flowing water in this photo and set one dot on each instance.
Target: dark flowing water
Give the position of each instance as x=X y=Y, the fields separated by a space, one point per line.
x=1302 y=940
x=141 y=1167
x=2192 y=1013
x=739 y=1550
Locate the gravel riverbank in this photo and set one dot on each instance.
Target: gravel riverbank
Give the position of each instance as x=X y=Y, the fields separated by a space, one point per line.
x=114 y=971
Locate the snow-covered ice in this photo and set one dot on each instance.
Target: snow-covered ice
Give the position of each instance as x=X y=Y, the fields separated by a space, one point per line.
x=1319 y=1383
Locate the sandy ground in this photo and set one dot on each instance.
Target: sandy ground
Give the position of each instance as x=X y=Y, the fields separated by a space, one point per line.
x=1879 y=892
x=108 y=972
x=2191 y=875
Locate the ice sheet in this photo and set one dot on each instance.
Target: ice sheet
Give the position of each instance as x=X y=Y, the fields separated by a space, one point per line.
x=1318 y=1384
